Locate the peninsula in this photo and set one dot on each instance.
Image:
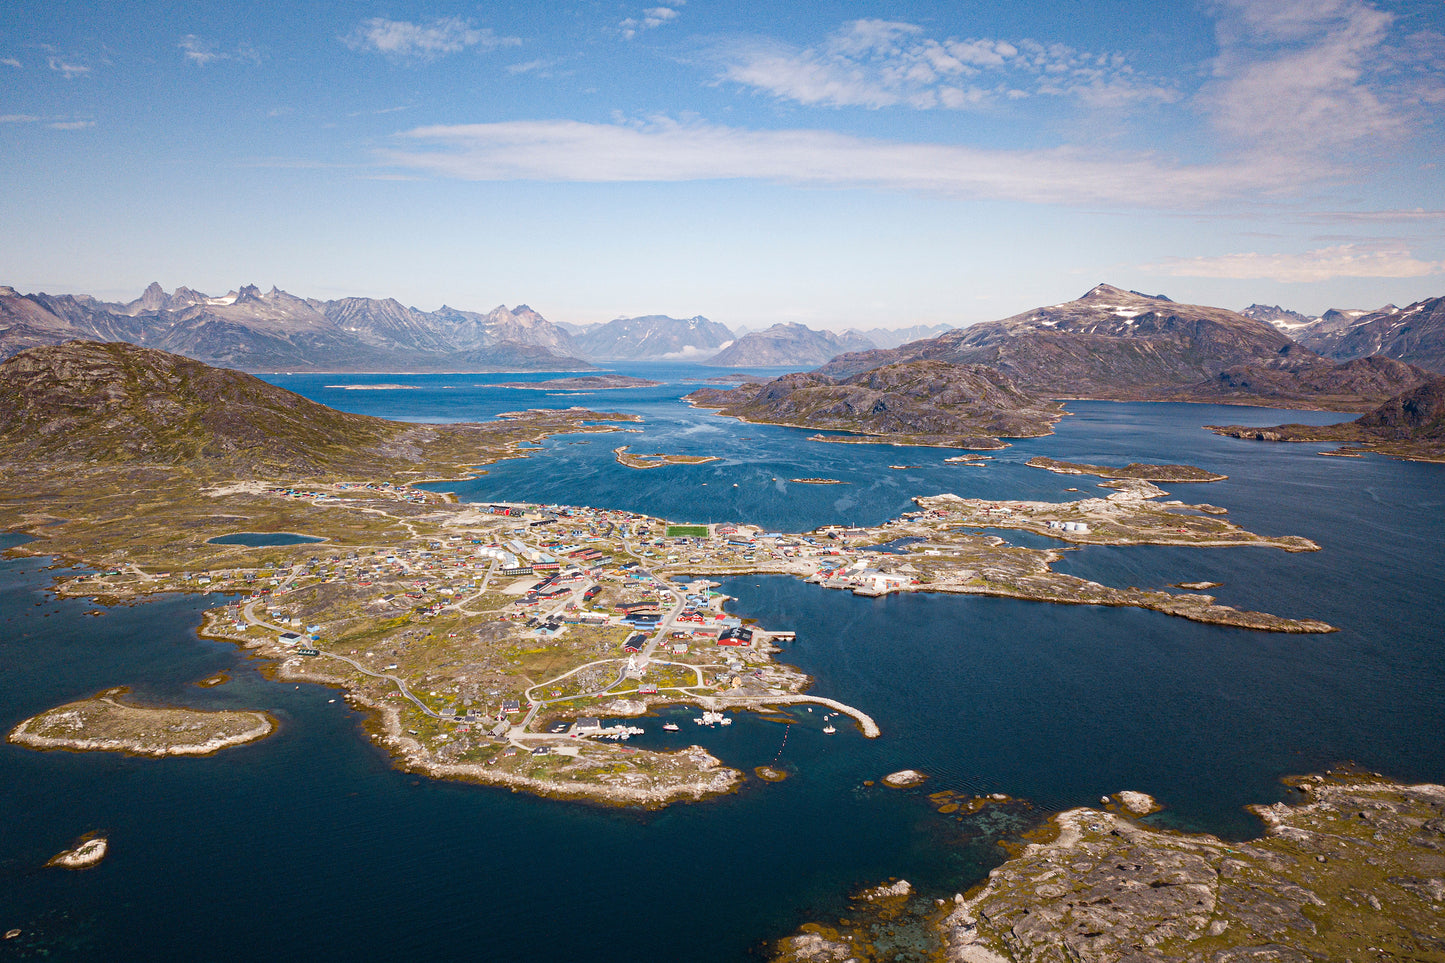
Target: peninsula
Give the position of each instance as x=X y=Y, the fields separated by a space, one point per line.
x=506 y=643
x=1410 y=426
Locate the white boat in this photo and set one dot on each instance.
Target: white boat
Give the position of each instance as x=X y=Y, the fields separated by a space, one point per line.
x=829 y=729
x=670 y=727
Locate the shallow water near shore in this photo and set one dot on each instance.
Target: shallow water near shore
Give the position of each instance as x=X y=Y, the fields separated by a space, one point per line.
x=308 y=844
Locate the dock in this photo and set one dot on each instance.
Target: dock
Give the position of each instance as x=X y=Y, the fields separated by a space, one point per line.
x=865 y=721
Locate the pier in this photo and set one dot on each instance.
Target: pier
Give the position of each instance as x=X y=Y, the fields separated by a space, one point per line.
x=865 y=721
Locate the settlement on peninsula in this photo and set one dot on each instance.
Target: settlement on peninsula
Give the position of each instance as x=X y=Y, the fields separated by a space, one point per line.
x=489 y=642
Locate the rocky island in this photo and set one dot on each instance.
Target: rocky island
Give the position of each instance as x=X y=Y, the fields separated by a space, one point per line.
x=657 y=459
x=106 y=723
x=609 y=382
x=88 y=852
x=1151 y=473
x=1354 y=869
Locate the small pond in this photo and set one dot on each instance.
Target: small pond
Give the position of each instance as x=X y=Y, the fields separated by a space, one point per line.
x=262 y=539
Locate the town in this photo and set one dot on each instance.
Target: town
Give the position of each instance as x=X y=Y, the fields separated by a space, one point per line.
x=518 y=643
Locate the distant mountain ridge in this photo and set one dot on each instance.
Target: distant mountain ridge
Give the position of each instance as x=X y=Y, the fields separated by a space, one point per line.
x=273 y=330
x=1282 y=318
x=1415 y=333
x=894 y=337
x=653 y=336
x=790 y=344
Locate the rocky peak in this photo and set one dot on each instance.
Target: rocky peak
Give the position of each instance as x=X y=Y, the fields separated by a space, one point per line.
x=1102 y=290
x=153 y=298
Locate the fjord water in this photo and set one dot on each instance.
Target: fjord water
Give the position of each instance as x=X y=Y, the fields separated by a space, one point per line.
x=308 y=845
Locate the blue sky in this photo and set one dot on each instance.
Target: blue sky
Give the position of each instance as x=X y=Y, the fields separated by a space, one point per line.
x=838 y=164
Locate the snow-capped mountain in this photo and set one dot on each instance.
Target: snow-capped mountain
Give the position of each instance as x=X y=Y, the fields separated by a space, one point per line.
x=273 y=330
x=653 y=337
x=1415 y=333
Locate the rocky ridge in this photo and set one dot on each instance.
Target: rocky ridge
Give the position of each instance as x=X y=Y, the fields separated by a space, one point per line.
x=917 y=402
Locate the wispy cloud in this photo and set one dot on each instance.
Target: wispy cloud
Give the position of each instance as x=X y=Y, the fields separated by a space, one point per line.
x=67 y=68
x=1416 y=214
x=1313 y=75
x=542 y=68
x=883 y=63
x=401 y=40
x=380 y=110
x=202 y=52
x=71 y=124
x=665 y=150
x=10 y=62
x=1321 y=264
x=18 y=119
x=650 y=19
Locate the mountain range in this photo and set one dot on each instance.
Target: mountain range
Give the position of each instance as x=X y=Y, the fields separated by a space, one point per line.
x=1108 y=343
x=1415 y=333
x=1126 y=345
x=273 y=330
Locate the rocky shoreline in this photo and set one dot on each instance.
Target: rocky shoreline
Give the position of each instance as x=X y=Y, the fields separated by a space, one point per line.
x=712 y=778
x=106 y=724
x=1354 y=870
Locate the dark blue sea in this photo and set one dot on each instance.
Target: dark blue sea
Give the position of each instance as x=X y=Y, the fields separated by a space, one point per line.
x=309 y=846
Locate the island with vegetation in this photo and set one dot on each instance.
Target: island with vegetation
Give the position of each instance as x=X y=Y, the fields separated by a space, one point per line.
x=108 y=723
x=509 y=643
x=1352 y=869
x=657 y=459
x=1152 y=473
